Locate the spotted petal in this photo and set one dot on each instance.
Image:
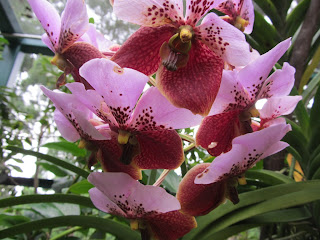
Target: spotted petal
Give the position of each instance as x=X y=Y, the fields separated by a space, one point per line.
x=149 y=12
x=75 y=112
x=157 y=112
x=231 y=94
x=247 y=13
x=135 y=199
x=246 y=151
x=64 y=126
x=224 y=39
x=74 y=23
x=49 y=19
x=279 y=83
x=141 y=50
x=159 y=149
x=93 y=101
x=256 y=72
x=277 y=106
x=120 y=87
x=196 y=85
x=199 y=199
x=103 y=203
x=196 y=9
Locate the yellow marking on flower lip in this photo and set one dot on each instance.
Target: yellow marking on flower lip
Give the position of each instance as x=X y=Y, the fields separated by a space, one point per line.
x=82 y=144
x=59 y=61
x=254 y=112
x=118 y=70
x=241 y=23
x=242 y=180
x=123 y=137
x=134 y=224
x=186 y=33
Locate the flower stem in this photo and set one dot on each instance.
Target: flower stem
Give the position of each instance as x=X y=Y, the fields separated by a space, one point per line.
x=187 y=138
x=190 y=147
x=162 y=177
x=152 y=81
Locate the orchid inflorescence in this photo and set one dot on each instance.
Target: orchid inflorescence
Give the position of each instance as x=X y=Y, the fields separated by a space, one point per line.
x=206 y=73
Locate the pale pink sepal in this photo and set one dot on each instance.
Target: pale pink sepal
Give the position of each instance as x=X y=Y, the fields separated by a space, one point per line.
x=150 y=13
x=225 y=40
x=64 y=126
x=49 y=19
x=74 y=23
x=120 y=87
x=246 y=151
x=133 y=197
x=196 y=9
x=154 y=104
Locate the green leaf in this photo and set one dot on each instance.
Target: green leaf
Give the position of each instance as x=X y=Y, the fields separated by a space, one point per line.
x=312 y=87
x=270 y=10
x=261 y=26
x=301 y=113
x=296 y=17
x=51 y=159
x=53 y=168
x=247 y=199
x=314 y=166
x=60 y=198
x=10 y=220
x=18 y=169
x=91 y=20
x=315 y=123
x=46 y=210
x=119 y=230
x=268 y=177
x=171 y=182
x=68 y=147
x=307 y=195
x=81 y=187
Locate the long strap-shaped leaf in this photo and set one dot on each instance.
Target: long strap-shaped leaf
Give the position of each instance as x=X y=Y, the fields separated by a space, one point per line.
x=51 y=159
x=248 y=199
x=61 y=198
x=309 y=194
x=106 y=225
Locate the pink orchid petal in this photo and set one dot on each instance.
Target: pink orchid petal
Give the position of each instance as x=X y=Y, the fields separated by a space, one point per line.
x=103 y=203
x=247 y=13
x=224 y=39
x=74 y=23
x=141 y=50
x=256 y=72
x=75 y=112
x=149 y=12
x=92 y=100
x=97 y=39
x=135 y=199
x=279 y=83
x=196 y=85
x=229 y=7
x=267 y=122
x=277 y=147
x=231 y=94
x=46 y=40
x=195 y=10
x=277 y=106
x=64 y=126
x=120 y=87
x=109 y=156
x=246 y=151
x=157 y=111
x=171 y=225
x=217 y=132
x=159 y=149
x=49 y=19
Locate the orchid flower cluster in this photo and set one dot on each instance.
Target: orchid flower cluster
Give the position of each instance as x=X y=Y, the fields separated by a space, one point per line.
x=206 y=73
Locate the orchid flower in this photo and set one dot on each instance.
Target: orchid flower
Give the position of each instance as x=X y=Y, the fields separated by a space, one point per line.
x=142 y=134
x=207 y=185
x=189 y=57
x=151 y=209
x=235 y=104
x=239 y=13
x=62 y=35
